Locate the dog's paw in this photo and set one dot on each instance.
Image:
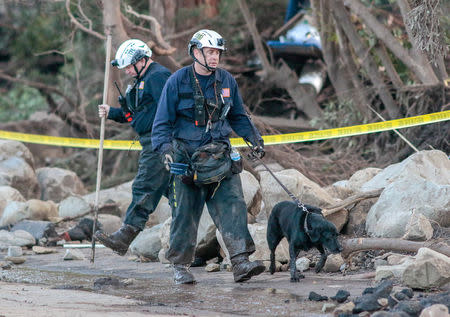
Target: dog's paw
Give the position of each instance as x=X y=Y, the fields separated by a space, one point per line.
x=295 y=279
x=318 y=269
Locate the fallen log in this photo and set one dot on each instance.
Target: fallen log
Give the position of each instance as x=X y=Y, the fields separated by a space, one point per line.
x=351 y=200
x=362 y=244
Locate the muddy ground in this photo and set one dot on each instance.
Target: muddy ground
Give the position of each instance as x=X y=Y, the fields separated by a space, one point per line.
x=46 y=285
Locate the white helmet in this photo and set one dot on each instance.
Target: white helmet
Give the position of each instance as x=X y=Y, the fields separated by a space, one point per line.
x=206 y=38
x=130 y=52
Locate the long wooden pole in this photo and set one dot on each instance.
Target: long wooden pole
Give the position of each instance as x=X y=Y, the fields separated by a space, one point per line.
x=102 y=138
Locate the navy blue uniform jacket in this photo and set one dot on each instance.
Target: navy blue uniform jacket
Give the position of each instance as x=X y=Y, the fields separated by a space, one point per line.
x=175 y=114
x=149 y=91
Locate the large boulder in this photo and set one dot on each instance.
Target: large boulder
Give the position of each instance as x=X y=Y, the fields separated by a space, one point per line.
x=389 y=216
x=73 y=206
x=433 y=166
x=8 y=194
x=431 y=269
x=147 y=243
x=9 y=148
x=252 y=192
x=16 y=238
x=32 y=209
x=57 y=183
x=17 y=173
x=120 y=195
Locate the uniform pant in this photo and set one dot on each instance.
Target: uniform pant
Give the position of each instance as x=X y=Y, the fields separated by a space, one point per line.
x=150 y=183
x=226 y=205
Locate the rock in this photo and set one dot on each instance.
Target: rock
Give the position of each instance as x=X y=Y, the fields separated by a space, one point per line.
x=433 y=166
x=252 y=192
x=110 y=223
x=32 y=209
x=430 y=269
x=7 y=194
x=73 y=254
x=57 y=183
x=83 y=230
x=120 y=195
x=389 y=216
x=346 y=308
x=14 y=251
x=15 y=259
x=327 y=307
x=17 y=238
x=212 y=267
x=162 y=256
x=418 y=228
x=341 y=296
x=108 y=281
x=73 y=206
x=302 y=264
x=38 y=229
x=161 y=213
x=333 y=263
x=411 y=307
x=356 y=224
x=388 y=271
x=17 y=173
x=147 y=243
x=436 y=310
x=42 y=250
x=313 y=296
x=10 y=148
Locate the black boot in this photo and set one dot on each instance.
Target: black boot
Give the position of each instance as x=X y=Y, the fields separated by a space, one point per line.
x=120 y=240
x=182 y=275
x=243 y=269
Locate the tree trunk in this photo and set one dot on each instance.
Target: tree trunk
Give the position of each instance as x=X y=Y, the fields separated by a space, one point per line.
x=361 y=244
x=337 y=72
x=363 y=53
x=164 y=11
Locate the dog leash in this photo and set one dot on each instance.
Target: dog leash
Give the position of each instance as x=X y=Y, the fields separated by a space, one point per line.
x=293 y=197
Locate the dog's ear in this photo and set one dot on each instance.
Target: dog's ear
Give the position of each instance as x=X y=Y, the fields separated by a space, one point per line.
x=314 y=235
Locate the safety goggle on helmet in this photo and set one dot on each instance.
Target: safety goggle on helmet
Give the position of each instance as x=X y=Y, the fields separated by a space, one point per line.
x=130 y=52
x=206 y=38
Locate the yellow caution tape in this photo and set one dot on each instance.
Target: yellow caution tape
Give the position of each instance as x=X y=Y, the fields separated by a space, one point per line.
x=239 y=142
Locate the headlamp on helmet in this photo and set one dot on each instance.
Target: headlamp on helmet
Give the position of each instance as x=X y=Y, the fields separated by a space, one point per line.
x=130 y=52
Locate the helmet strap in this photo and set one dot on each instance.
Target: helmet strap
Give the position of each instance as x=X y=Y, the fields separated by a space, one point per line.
x=211 y=69
x=138 y=72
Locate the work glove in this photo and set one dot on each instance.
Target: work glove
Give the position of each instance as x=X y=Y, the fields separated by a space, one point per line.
x=257 y=150
x=167 y=158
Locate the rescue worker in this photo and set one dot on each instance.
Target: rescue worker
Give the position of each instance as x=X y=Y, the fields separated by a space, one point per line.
x=199 y=106
x=138 y=108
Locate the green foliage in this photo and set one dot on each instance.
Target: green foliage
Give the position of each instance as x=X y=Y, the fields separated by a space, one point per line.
x=339 y=115
x=19 y=102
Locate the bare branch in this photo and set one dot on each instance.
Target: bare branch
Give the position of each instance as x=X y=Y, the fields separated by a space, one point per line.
x=80 y=26
x=156 y=30
x=423 y=71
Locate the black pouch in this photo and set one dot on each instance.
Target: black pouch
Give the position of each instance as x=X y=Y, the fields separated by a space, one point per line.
x=211 y=163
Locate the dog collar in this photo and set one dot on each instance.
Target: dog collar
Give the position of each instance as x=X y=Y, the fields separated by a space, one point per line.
x=305 y=224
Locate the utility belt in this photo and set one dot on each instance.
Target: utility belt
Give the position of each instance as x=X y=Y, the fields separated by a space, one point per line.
x=210 y=163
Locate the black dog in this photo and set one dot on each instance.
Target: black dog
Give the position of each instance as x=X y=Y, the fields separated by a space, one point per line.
x=303 y=230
